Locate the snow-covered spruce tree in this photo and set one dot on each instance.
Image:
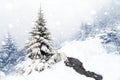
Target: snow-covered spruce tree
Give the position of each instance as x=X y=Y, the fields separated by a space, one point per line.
x=39 y=46
x=9 y=55
x=38 y=49
x=40 y=53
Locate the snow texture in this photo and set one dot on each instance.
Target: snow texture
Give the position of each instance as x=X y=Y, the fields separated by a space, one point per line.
x=93 y=56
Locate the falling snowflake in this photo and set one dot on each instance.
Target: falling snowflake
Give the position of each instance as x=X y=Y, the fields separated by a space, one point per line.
x=9 y=6
x=58 y=23
x=3 y=43
x=10 y=26
x=105 y=13
x=93 y=12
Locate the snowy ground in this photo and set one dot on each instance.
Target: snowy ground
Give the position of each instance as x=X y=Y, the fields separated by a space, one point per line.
x=93 y=56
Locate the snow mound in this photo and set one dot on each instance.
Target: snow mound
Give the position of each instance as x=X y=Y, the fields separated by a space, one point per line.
x=79 y=49
x=58 y=72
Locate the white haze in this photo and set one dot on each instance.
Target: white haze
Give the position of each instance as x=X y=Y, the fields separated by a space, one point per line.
x=63 y=17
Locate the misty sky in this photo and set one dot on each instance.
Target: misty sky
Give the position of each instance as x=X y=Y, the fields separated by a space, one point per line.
x=63 y=16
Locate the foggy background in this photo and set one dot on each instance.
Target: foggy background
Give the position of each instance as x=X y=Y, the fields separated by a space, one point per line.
x=63 y=17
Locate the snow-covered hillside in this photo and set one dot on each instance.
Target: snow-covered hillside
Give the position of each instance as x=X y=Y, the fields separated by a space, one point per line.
x=58 y=72
x=93 y=56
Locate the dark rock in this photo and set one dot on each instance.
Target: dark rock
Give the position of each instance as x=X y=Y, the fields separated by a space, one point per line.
x=78 y=67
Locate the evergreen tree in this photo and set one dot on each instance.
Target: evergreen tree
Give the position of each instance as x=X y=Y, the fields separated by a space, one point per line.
x=111 y=40
x=39 y=51
x=9 y=55
x=39 y=45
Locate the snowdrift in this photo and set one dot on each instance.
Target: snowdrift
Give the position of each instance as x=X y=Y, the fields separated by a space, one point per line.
x=94 y=57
